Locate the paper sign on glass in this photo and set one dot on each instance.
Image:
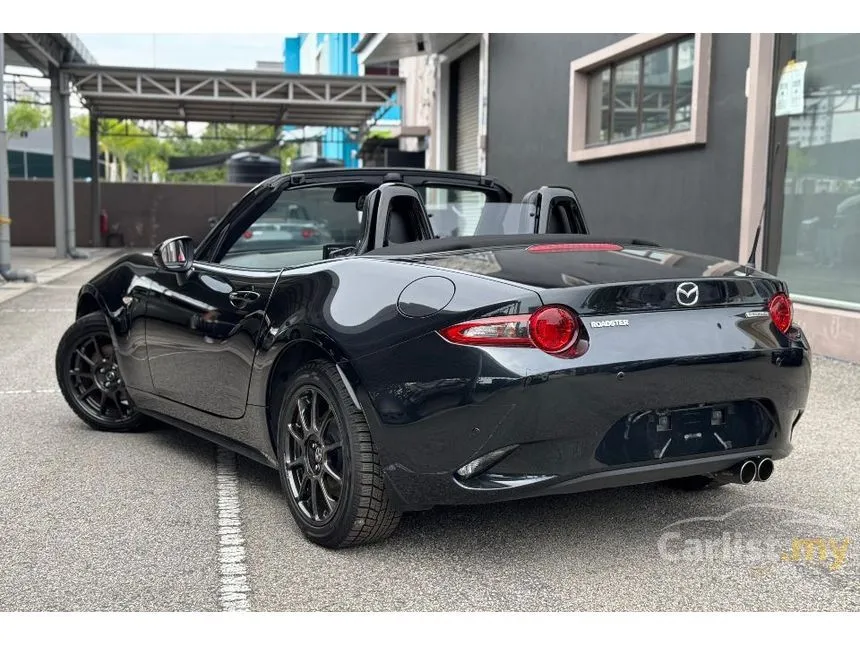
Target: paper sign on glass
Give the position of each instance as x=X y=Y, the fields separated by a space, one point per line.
x=789 y=93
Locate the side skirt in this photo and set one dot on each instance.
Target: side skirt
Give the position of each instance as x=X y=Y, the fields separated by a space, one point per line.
x=214 y=437
x=247 y=436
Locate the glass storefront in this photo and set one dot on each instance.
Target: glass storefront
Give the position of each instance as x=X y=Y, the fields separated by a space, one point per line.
x=818 y=246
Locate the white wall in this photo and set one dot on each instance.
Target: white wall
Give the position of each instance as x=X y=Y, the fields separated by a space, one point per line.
x=308 y=54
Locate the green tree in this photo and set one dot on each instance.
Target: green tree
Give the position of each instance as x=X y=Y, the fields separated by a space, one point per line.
x=136 y=148
x=132 y=146
x=25 y=117
x=219 y=139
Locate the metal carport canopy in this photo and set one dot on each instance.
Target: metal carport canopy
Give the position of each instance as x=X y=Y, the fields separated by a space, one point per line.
x=233 y=97
x=45 y=53
x=41 y=51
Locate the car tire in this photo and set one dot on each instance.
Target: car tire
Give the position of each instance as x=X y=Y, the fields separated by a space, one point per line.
x=316 y=446
x=694 y=483
x=89 y=377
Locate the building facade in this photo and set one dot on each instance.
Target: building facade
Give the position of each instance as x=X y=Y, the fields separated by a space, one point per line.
x=332 y=54
x=446 y=84
x=809 y=97
x=31 y=155
x=704 y=142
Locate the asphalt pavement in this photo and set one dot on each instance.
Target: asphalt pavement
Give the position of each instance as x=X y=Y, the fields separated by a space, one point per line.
x=97 y=521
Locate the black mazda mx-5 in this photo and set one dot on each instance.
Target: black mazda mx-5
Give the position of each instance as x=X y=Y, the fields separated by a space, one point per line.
x=444 y=344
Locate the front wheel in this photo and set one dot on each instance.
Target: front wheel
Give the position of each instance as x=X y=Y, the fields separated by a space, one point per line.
x=89 y=378
x=328 y=463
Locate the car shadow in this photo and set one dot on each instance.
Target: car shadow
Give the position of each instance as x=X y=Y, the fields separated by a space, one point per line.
x=581 y=518
x=501 y=529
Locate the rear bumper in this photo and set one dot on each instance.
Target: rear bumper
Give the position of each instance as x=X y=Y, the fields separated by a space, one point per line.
x=571 y=428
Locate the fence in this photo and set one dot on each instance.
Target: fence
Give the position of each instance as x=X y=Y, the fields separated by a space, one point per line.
x=144 y=214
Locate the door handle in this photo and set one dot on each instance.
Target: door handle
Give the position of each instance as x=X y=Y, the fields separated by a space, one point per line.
x=241 y=299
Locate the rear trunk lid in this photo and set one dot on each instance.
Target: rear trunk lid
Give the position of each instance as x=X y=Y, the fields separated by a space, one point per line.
x=603 y=282
x=679 y=306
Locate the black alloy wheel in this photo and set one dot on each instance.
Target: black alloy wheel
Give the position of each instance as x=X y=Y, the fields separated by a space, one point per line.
x=314 y=456
x=328 y=463
x=90 y=379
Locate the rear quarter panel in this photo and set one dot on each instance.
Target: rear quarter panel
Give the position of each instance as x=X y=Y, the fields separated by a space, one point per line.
x=349 y=308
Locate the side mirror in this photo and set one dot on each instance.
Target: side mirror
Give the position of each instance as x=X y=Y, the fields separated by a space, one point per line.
x=175 y=254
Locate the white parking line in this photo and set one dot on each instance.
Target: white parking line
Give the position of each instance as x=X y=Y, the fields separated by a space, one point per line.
x=50 y=390
x=234 y=587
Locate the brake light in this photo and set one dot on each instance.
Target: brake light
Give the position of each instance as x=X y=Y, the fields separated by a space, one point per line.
x=552 y=329
x=567 y=248
x=781 y=311
x=307 y=232
x=248 y=234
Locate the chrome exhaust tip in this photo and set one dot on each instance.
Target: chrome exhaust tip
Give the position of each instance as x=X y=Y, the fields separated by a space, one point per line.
x=741 y=473
x=764 y=469
x=747 y=472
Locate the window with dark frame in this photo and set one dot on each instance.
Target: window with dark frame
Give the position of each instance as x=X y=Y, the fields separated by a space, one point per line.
x=383 y=69
x=643 y=96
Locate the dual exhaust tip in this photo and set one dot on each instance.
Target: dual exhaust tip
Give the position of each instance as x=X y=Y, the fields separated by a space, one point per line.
x=747 y=471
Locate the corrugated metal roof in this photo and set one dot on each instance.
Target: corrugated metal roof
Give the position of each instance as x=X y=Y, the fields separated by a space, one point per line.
x=252 y=97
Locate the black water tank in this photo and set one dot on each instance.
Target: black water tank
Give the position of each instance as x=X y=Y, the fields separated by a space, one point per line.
x=308 y=163
x=251 y=168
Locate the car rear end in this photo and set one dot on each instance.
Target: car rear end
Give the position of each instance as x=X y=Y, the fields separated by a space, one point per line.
x=639 y=365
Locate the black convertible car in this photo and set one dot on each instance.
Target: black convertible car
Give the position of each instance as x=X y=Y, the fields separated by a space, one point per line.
x=393 y=369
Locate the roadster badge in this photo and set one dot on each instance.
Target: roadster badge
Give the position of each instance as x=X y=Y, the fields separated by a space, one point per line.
x=618 y=322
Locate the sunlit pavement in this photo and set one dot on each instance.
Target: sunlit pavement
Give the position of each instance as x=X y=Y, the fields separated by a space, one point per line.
x=96 y=521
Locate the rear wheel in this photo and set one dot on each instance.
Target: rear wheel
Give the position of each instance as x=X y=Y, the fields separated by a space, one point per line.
x=89 y=377
x=328 y=464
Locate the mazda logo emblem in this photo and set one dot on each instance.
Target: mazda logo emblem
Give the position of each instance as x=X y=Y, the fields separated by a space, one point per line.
x=687 y=294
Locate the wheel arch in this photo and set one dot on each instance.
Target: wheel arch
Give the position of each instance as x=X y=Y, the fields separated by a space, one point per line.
x=291 y=358
x=88 y=302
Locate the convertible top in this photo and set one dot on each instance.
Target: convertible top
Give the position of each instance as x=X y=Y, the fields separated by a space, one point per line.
x=476 y=242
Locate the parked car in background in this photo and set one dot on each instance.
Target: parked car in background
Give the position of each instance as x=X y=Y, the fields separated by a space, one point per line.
x=285 y=225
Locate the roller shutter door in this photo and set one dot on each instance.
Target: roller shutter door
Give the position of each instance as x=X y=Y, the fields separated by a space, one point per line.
x=465 y=132
x=466 y=159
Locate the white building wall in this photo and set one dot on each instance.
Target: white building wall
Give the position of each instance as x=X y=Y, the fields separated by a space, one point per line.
x=417 y=99
x=308 y=55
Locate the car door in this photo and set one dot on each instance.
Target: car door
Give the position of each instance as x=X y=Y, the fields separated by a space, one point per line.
x=203 y=326
x=202 y=331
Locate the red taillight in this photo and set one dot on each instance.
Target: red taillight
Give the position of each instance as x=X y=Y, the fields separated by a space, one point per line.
x=781 y=311
x=551 y=329
x=248 y=234
x=307 y=232
x=567 y=248
x=505 y=331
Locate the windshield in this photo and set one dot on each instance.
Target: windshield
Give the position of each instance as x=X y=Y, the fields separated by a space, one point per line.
x=294 y=229
x=300 y=222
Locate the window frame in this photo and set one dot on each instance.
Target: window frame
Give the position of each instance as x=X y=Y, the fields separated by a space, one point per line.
x=581 y=71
